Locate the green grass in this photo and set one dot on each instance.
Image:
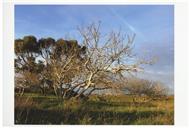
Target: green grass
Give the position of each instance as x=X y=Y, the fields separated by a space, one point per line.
x=38 y=109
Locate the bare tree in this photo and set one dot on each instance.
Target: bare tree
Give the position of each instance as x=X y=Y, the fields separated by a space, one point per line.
x=78 y=70
x=108 y=57
x=146 y=90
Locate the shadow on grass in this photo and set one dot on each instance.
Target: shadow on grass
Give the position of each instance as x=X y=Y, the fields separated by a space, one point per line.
x=43 y=110
x=119 y=104
x=81 y=116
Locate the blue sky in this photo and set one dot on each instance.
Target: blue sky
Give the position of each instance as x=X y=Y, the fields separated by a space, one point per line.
x=153 y=25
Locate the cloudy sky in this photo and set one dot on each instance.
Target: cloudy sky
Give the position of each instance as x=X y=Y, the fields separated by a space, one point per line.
x=152 y=24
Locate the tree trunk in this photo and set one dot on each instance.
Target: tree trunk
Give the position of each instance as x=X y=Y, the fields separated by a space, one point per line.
x=22 y=92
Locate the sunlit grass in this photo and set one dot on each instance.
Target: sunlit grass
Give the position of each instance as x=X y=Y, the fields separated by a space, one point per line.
x=114 y=110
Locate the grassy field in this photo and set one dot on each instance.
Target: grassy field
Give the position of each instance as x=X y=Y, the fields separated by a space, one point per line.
x=118 y=110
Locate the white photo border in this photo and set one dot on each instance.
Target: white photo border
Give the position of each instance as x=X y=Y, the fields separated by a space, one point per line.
x=180 y=45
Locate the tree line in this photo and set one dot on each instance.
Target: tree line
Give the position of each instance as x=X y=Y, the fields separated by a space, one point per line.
x=70 y=69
